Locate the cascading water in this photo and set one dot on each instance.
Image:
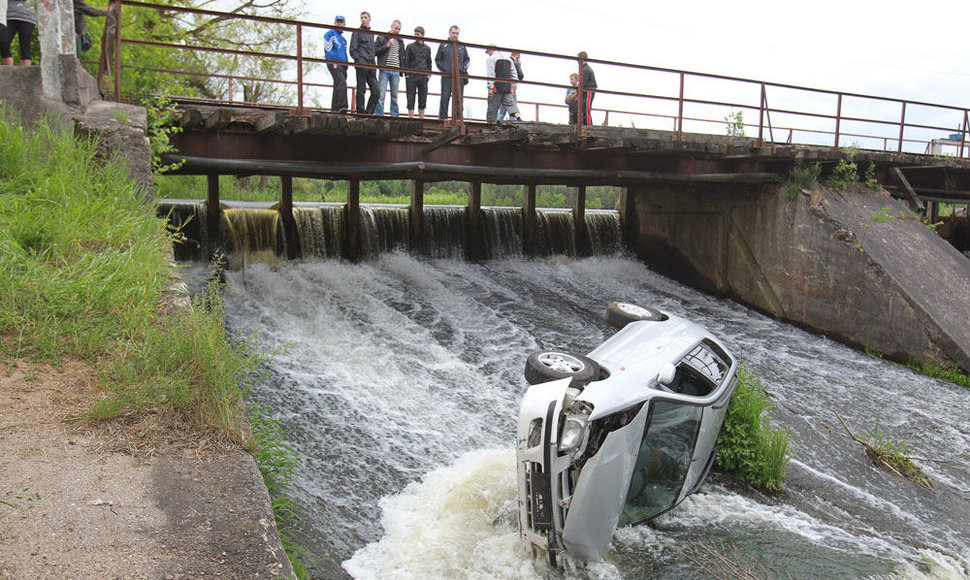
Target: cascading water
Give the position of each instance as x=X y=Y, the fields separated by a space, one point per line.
x=400 y=387
x=253 y=232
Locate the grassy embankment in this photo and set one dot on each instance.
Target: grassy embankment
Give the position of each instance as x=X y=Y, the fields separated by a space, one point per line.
x=85 y=269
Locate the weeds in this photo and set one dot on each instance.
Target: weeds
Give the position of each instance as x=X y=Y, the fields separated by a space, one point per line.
x=734 y=124
x=748 y=447
x=277 y=462
x=889 y=455
x=803 y=176
x=162 y=124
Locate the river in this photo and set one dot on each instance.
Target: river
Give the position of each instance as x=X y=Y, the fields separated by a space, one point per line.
x=400 y=383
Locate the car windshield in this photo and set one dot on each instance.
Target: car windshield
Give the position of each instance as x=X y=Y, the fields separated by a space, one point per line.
x=663 y=460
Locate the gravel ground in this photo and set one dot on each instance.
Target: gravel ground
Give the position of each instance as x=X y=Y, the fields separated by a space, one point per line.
x=73 y=507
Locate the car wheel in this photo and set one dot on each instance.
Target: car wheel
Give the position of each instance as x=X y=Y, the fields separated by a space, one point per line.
x=619 y=314
x=550 y=365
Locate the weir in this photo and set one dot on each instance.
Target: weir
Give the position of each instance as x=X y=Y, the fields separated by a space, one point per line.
x=248 y=233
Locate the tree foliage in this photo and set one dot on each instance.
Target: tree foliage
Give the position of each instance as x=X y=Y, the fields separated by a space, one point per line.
x=238 y=48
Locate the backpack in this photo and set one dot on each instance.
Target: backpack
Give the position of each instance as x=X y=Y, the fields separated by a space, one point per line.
x=503 y=70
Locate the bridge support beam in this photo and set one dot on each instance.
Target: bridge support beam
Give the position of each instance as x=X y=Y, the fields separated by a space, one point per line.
x=583 y=247
x=474 y=240
x=291 y=237
x=529 y=221
x=417 y=214
x=212 y=214
x=352 y=221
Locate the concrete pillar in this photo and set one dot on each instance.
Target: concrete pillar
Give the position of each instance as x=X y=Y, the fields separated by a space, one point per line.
x=212 y=214
x=55 y=28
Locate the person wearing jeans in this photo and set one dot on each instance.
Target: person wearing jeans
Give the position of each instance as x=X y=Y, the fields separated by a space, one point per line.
x=390 y=56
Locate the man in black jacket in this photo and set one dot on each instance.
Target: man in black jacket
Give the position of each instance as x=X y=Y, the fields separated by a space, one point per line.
x=362 y=51
x=417 y=56
x=443 y=60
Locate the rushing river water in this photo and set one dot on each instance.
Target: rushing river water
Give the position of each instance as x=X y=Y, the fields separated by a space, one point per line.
x=400 y=386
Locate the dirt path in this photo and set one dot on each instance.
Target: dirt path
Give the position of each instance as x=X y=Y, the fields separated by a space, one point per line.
x=71 y=507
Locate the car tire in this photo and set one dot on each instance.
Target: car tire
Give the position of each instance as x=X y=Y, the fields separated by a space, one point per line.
x=551 y=365
x=619 y=314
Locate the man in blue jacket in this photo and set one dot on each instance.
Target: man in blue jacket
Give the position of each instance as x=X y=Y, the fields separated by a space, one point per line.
x=335 y=46
x=443 y=60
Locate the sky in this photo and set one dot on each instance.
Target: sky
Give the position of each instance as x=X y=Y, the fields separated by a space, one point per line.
x=915 y=51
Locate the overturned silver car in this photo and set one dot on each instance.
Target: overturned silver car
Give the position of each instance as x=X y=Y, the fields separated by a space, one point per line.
x=621 y=435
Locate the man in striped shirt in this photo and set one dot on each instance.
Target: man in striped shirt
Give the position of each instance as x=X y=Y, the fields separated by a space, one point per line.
x=390 y=55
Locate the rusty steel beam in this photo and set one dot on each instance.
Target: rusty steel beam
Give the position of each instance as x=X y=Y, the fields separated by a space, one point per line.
x=446 y=172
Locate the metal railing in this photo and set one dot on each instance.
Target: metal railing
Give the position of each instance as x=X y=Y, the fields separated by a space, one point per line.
x=660 y=98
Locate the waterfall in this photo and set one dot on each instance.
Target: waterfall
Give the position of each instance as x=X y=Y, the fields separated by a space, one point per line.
x=247 y=234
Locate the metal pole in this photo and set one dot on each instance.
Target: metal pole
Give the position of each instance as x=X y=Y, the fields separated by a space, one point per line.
x=680 y=109
x=761 y=114
x=117 y=53
x=299 y=68
x=580 y=105
x=456 y=112
x=902 y=126
x=838 y=120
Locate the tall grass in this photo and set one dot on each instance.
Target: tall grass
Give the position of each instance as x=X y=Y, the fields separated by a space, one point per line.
x=749 y=448
x=84 y=261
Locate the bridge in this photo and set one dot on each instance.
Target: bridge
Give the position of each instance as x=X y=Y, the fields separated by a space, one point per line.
x=700 y=157
x=679 y=127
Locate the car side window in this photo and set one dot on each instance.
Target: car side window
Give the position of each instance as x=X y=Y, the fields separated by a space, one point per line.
x=662 y=461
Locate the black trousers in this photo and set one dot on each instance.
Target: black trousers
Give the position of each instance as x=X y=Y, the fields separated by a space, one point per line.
x=339 y=100
x=417 y=86
x=367 y=77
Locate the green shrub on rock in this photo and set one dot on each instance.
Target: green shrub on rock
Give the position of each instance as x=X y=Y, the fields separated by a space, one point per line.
x=749 y=448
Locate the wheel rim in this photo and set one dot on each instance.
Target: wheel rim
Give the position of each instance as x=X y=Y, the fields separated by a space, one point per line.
x=561 y=362
x=633 y=310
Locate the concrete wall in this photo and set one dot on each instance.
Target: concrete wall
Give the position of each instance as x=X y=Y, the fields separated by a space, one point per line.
x=119 y=128
x=854 y=265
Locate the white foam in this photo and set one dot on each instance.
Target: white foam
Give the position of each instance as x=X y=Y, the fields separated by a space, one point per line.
x=457 y=522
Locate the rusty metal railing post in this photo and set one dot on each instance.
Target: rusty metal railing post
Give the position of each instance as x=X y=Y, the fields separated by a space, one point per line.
x=680 y=109
x=838 y=120
x=580 y=101
x=230 y=90
x=299 y=68
x=456 y=100
x=963 y=132
x=761 y=114
x=902 y=127
x=117 y=53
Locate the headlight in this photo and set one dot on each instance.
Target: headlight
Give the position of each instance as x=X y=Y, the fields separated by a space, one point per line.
x=574 y=426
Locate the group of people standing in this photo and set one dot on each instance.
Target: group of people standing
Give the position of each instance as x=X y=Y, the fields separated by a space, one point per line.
x=386 y=53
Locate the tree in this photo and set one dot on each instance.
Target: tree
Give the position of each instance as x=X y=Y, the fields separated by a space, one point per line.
x=221 y=27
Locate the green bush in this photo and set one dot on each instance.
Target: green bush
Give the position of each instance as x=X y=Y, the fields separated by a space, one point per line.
x=748 y=447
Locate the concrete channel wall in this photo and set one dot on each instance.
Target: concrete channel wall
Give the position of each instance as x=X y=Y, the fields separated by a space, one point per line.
x=854 y=265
